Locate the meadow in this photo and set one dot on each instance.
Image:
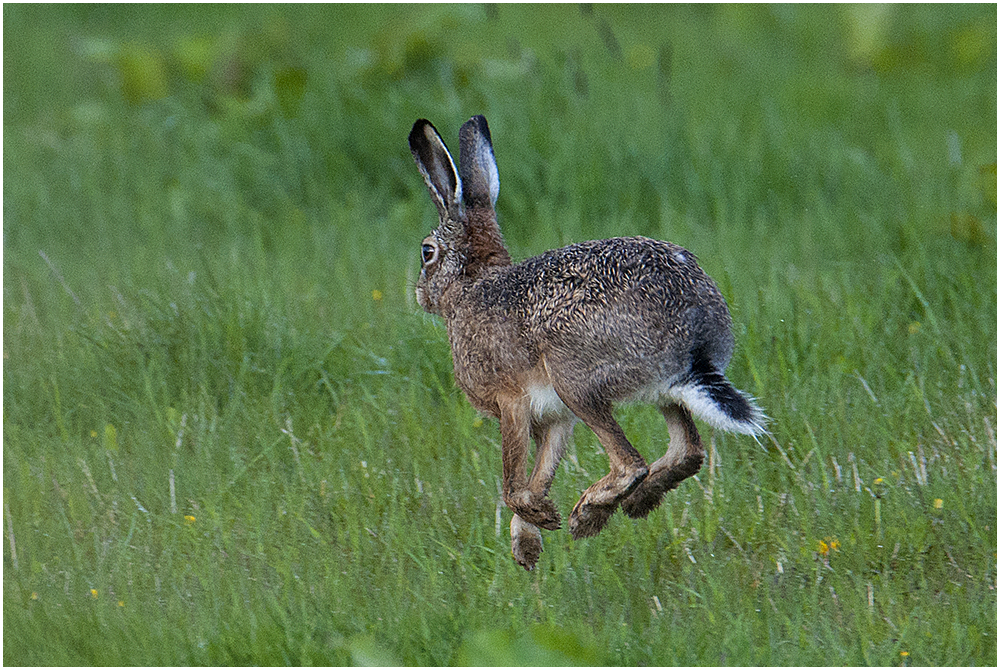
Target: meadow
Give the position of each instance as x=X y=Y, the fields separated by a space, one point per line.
x=230 y=435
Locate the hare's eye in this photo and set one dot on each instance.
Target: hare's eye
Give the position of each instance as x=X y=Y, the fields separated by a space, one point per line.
x=428 y=252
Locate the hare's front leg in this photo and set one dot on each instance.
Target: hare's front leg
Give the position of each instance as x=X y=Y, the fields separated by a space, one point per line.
x=683 y=459
x=628 y=468
x=551 y=439
x=527 y=502
x=525 y=542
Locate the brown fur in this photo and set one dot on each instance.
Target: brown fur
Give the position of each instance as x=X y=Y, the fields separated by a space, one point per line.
x=563 y=336
x=683 y=459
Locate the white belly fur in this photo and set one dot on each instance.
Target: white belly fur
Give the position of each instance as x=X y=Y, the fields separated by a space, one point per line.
x=546 y=402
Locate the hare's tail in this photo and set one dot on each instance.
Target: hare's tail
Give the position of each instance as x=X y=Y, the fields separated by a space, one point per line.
x=713 y=399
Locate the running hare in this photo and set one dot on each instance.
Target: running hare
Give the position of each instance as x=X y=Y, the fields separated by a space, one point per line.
x=563 y=336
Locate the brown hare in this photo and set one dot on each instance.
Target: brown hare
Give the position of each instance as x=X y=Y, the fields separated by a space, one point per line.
x=563 y=336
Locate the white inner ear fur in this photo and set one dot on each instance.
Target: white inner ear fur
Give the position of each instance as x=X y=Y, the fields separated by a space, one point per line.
x=493 y=177
x=443 y=168
x=450 y=199
x=457 y=195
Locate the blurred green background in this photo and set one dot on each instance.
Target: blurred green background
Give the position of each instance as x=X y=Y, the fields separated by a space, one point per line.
x=231 y=436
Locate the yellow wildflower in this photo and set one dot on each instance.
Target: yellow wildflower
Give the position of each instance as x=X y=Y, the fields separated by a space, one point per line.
x=826 y=545
x=93 y=593
x=938 y=503
x=34 y=595
x=904 y=654
x=376 y=295
x=121 y=603
x=188 y=519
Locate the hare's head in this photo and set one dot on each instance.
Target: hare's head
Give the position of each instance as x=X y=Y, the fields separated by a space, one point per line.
x=467 y=240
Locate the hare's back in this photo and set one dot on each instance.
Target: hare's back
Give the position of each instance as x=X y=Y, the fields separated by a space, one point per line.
x=624 y=298
x=651 y=276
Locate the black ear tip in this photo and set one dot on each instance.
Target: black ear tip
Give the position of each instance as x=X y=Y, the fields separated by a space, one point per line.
x=420 y=136
x=478 y=122
x=419 y=131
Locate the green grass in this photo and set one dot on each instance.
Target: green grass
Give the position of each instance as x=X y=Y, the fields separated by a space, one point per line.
x=231 y=437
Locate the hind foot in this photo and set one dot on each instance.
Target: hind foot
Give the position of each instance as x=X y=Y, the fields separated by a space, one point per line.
x=600 y=501
x=647 y=497
x=649 y=494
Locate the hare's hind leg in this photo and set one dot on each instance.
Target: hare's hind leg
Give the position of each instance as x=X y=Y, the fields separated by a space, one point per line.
x=550 y=444
x=628 y=468
x=683 y=459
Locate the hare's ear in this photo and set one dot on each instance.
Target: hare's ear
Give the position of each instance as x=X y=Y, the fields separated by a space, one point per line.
x=438 y=169
x=477 y=164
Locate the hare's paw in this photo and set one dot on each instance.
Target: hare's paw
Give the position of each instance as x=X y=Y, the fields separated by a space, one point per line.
x=646 y=497
x=535 y=509
x=588 y=519
x=600 y=501
x=525 y=542
x=526 y=550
